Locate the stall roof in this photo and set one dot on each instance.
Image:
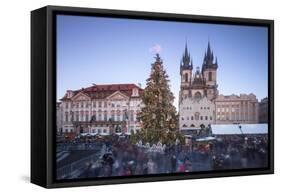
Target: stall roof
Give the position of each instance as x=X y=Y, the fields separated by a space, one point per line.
x=234 y=129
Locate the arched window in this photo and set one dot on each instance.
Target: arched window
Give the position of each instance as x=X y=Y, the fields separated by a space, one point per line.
x=186 y=77
x=197 y=96
x=210 y=76
x=192 y=125
x=66 y=116
x=197 y=116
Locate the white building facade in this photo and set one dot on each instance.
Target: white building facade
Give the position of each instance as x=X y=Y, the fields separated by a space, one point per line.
x=103 y=109
x=242 y=109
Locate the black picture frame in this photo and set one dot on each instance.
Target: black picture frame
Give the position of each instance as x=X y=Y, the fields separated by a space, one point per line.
x=43 y=94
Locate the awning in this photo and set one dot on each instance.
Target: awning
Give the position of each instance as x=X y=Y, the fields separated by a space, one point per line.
x=233 y=129
x=206 y=139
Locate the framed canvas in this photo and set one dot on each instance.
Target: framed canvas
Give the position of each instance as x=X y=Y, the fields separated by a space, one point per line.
x=126 y=96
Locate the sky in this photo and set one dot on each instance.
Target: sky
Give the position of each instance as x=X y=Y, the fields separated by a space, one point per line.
x=110 y=50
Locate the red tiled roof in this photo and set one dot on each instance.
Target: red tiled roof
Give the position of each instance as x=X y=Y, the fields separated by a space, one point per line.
x=104 y=90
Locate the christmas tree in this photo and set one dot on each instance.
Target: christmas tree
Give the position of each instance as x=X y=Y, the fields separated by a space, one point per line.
x=158 y=116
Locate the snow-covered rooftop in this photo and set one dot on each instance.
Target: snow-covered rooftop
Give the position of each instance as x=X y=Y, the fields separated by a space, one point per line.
x=245 y=128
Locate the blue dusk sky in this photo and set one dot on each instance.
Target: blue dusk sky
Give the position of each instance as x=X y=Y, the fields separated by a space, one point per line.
x=107 y=50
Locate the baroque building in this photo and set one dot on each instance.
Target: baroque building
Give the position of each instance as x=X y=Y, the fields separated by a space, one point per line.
x=103 y=109
x=197 y=91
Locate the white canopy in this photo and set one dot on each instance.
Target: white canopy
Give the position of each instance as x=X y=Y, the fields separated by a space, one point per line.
x=206 y=139
x=234 y=129
x=88 y=134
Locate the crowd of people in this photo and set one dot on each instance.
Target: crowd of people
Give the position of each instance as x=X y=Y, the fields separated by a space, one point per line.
x=121 y=158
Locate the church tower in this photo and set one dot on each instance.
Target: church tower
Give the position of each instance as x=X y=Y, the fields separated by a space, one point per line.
x=209 y=72
x=197 y=92
x=186 y=66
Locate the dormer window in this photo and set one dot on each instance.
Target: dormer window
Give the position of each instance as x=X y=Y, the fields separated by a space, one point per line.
x=69 y=93
x=135 y=92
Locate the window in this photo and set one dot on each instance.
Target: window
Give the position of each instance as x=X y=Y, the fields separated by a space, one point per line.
x=124 y=117
x=211 y=118
x=135 y=92
x=210 y=76
x=201 y=117
x=104 y=131
x=182 y=119
x=99 y=116
x=87 y=117
x=197 y=116
x=105 y=104
x=112 y=116
x=105 y=116
x=132 y=116
x=206 y=117
x=100 y=104
x=66 y=116
x=191 y=117
x=94 y=104
x=187 y=118
x=197 y=96
x=186 y=77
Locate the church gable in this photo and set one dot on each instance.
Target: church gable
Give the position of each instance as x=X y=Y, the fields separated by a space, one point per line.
x=117 y=96
x=81 y=97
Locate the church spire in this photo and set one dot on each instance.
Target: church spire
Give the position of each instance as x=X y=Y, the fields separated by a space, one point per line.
x=186 y=59
x=186 y=62
x=208 y=61
x=209 y=53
